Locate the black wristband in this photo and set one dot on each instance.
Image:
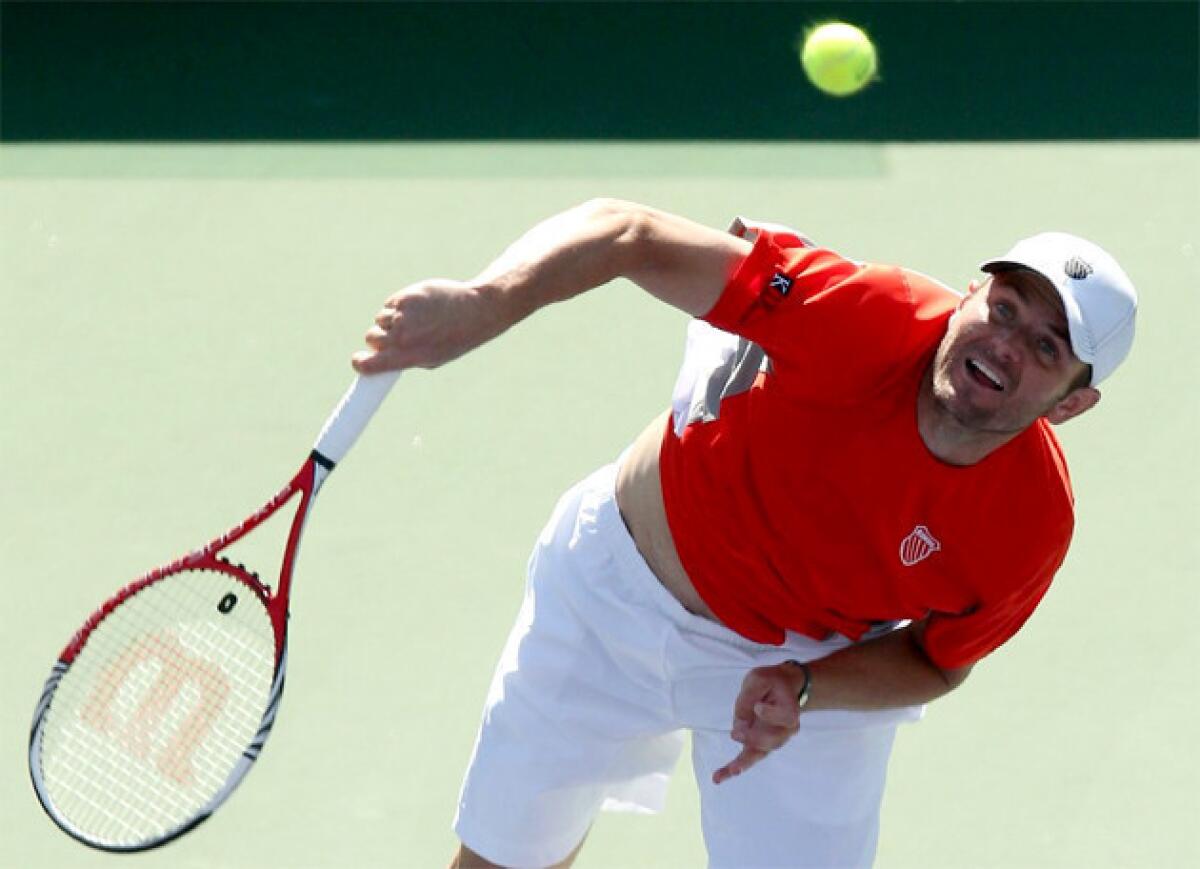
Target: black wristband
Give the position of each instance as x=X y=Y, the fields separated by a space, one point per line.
x=805 y=689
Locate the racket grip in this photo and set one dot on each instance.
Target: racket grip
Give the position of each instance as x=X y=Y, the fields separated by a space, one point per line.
x=353 y=413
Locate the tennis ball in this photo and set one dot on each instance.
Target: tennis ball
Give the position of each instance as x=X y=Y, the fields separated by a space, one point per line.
x=838 y=58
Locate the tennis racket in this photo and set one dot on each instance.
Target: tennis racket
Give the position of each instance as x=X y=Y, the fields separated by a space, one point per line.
x=162 y=701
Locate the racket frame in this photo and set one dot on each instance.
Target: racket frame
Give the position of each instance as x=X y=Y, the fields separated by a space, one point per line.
x=339 y=433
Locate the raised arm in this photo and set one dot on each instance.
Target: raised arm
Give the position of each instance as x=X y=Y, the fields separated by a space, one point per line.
x=680 y=262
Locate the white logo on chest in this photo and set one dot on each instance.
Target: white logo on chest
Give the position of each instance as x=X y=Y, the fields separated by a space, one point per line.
x=918 y=546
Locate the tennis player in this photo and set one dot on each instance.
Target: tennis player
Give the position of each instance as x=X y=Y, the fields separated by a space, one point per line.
x=855 y=497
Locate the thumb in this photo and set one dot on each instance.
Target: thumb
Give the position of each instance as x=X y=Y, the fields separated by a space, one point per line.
x=369 y=362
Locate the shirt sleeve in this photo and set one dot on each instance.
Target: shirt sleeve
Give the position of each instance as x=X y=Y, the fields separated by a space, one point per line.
x=953 y=641
x=813 y=310
x=771 y=274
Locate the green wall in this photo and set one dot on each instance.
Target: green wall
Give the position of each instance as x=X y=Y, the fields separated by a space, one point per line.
x=679 y=70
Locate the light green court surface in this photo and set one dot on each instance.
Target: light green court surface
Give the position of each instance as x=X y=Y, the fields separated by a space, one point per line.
x=178 y=320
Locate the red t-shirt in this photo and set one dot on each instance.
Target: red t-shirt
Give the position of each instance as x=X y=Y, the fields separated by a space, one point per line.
x=803 y=497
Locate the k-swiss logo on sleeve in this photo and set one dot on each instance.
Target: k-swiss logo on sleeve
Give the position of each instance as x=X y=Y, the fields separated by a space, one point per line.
x=918 y=546
x=780 y=284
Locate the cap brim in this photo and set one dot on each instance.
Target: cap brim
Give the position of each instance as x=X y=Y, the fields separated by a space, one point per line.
x=995 y=265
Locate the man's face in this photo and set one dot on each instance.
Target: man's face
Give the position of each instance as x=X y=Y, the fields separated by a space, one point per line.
x=1005 y=360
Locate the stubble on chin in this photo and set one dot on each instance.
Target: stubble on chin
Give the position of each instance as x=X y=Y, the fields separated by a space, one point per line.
x=957 y=410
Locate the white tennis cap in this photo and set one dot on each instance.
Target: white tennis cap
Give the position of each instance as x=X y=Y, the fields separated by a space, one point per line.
x=1099 y=298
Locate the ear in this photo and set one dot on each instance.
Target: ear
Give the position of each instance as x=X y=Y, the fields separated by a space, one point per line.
x=1072 y=404
x=972 y=289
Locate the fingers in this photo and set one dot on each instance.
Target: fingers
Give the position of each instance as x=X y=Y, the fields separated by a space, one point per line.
x=759 y=738
x=378 y=358
x=738 y=765
x=766 y=715
x=372 y=362
x=387 y=320
x=426 y=325
x=378 y=338
x=762 y=735
x=754 y=690
x=784 y=715
x=382 y=339
x=387 y=316
x=767 y=695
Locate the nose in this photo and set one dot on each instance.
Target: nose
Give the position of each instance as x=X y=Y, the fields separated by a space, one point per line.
x=1008 y=347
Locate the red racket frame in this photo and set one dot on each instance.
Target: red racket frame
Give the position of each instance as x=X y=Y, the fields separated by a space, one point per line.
x=340 y=432
x=306 y=482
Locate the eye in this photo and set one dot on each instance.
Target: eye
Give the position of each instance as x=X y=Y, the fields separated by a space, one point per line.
x=1003 y=310
x=1048 y=348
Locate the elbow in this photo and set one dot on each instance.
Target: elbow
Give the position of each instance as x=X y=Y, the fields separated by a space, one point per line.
x=952 y=677
x=627 y=226
x=604 y=208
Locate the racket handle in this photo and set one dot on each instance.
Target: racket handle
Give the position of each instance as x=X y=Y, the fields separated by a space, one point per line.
x=353 y=413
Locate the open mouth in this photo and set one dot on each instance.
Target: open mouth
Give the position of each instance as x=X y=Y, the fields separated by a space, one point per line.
x=983 y=375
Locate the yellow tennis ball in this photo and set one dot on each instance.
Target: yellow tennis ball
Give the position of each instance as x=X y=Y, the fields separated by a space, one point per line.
x=838 y=58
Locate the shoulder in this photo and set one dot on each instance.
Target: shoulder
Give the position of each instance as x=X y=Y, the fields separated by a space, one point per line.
x=781 y=250
x=802 y=302
x=1043 y=454
x=929 y=297
x=1035 y=483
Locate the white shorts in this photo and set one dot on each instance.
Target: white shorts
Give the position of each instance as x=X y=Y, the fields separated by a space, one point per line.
x=602 y=674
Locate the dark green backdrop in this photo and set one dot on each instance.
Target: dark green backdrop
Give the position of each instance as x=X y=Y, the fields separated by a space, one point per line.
x=668 y=70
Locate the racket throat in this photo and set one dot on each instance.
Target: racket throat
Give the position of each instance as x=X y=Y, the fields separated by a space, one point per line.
x=322 y=467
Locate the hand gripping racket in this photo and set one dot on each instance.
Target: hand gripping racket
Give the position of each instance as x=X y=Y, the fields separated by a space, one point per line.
x=164 y=698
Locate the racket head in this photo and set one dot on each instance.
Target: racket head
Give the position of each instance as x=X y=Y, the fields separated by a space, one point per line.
x=162 y=701
x=157 y=709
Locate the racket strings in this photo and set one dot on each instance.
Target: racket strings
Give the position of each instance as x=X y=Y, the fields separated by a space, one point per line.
x=150 y=724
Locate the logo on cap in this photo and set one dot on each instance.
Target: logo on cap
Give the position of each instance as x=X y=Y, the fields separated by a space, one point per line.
x=918 y=546
x=1077 y=268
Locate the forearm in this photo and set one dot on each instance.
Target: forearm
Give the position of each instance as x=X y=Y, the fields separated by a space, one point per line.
x=884 y=673
x=560 y=258
x=432 y=322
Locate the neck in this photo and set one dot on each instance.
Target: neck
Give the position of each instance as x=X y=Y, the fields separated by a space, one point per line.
x=946 y=437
